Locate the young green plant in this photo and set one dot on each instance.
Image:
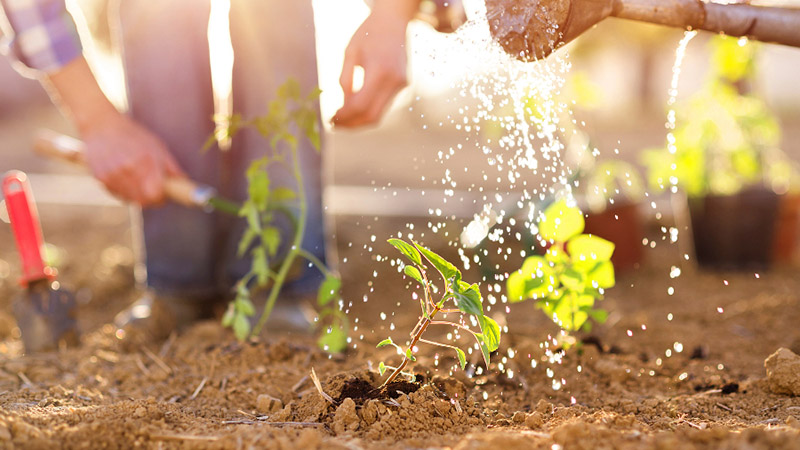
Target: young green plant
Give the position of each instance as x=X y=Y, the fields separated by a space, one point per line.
x=289 y=115
x=464 y=296
x=571 y=276
x=726 y=138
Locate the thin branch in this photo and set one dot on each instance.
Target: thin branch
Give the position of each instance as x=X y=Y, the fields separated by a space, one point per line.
x=318 y=385
x=182 y=437
x=159 y=362
x=293 y=250
x=199 y=388
x=315 y=261
x=440 y=344
x=453 y=324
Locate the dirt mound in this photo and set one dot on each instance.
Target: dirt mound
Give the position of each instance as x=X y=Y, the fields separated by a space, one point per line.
x=407 y=414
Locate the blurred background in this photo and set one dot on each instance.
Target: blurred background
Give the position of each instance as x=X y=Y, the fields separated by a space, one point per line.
x=619 y=81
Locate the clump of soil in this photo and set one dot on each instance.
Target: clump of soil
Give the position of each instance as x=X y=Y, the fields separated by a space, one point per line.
x=527 y=29
x=783 y=372
x=401 y=411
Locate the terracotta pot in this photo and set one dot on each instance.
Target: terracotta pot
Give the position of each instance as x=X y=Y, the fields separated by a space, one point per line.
x=620 y=223
x=785 y=240
x=735 y=231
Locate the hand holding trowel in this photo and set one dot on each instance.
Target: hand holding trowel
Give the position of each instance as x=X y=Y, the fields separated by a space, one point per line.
x=45 y=313
x=180 y=190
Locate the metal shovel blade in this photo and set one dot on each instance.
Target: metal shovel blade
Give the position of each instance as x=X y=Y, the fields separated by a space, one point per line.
x=46 y=317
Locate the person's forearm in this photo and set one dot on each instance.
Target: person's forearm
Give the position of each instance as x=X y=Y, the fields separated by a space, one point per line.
x=405 y=9
x=74 y=89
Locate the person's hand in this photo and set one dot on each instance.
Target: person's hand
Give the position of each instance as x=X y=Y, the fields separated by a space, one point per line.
x=378 y=46
x=129 y=160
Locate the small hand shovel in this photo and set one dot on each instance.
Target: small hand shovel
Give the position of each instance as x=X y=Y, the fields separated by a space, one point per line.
x=45 y=313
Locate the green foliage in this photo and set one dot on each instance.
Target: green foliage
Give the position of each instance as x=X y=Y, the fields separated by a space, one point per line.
x=571 y=276
x=725 y=139
x=464 y=296
x=290 y=116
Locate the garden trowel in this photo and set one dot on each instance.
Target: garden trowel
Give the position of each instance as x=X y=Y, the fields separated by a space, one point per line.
x=45 y=313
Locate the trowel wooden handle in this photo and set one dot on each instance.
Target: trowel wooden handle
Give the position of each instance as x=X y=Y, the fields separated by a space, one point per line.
x=59 y=146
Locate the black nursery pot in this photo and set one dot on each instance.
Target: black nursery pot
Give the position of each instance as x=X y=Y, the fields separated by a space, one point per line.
x=735 y=231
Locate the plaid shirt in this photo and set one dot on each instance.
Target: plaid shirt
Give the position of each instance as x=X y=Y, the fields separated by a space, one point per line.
x=39 y=33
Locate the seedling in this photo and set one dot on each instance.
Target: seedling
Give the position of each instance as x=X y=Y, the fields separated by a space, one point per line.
x=571 y=276
x=464 y=296
x=261 y=241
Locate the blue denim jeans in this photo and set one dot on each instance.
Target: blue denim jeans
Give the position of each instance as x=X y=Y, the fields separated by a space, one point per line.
x=191 y=253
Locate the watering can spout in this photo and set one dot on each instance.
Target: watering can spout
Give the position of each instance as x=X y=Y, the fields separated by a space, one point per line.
x=532 y=29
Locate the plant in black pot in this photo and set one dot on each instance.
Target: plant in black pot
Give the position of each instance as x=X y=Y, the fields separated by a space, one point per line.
x=724 y=155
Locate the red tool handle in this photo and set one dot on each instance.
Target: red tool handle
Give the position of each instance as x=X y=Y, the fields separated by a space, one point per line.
x=25 y=225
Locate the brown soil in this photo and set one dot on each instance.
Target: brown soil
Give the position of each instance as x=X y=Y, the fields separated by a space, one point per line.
x=202 y=389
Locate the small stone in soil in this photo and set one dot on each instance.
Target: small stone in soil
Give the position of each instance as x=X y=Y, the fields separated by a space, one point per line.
x=730 y=388
x=266 y=404
x=699 y=352
x=534 y=420
x=783 y=372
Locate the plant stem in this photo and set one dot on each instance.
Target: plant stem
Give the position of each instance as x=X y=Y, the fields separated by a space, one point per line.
x=294 y=250
x=453 y=324
x=422 y=325
x=315 y=261
x=224 y=206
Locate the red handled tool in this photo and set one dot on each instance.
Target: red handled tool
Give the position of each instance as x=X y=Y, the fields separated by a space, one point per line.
x=45 y=315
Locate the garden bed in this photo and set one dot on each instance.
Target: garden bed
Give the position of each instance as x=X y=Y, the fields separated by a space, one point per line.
x=667 y=371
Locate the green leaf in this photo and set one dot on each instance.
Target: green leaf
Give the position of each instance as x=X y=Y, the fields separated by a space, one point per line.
x=462 y=358
x=484 y=349
x=408 y=250
x=328 y=290
x=250 y=212
x=260 y=265
x=384 y=343
x=289 y=90
x=410 y=355
x=602 y=275
x=588 y=248
x=535 y=279
x=490 y=331
x=571 y=279
x=447 y=269
x=599 y=315
x=283 y=194
x=334 y=340
x=245 y=306
x=382 y=368
x=313 y=136
x=515 y=287
x=271 y=238
x=258 y=185
x=244 y=243
x=468 y=299
x=314 y=93
x=560 y=222
x=230 y=314
x=241 y=327
x=569 y=311
x=414 y=273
